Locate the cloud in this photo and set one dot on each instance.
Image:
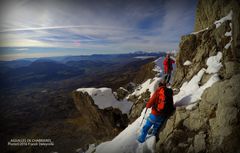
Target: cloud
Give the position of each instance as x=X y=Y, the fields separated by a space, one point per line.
x=178 y=18
x=22 y=49
x=59 y=27
x=100 y=25
x=8 y=57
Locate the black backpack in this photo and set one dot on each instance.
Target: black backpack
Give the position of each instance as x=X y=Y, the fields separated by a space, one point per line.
x=169 y=106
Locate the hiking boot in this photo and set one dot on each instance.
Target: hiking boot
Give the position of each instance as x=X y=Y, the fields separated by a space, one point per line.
x=150 y=131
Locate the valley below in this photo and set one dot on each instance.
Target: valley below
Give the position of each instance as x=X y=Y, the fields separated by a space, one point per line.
x=34 y=107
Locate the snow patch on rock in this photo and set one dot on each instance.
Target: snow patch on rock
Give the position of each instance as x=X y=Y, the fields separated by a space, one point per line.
x=226 y=18
x=104 y=97
x=191 y=91
x=200 y=31
x=187 y=63
x=214 y=64
x=150 y=84
x=228 y=34
x=158 y=66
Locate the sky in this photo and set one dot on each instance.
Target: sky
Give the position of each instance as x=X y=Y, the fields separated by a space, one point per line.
x=33 y=28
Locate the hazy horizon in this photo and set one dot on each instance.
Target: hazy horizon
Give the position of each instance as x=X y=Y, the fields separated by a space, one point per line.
x=72 y=55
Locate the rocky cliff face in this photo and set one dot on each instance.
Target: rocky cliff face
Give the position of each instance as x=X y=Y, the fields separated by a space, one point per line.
x=98 y=124
x=213 y=125
x=209 y=11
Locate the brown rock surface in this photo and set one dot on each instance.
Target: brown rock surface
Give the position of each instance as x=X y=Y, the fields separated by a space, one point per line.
x=213 y=126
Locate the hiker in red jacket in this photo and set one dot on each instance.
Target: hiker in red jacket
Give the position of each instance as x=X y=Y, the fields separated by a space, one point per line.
x=167 y=63
x=162 y=106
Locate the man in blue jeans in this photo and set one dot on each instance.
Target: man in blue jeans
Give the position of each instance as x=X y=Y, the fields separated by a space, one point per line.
x=162 y=106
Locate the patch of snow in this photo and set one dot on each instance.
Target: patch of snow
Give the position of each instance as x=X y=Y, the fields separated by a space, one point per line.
x=158 y=66
x=191 y=106
x=115 y=94
x=79 y=150
x=150 y=84
x=126 y=141
x=104 y=97
x=123 y=89
x=228 y=44
x=157 y=69
x=184 y=96
x=214 y=63
x=91 y=148
x=187 y=63
x=199 y=31
x=191 y=92
x=228 y=17
x=144 y=57
x=198 y=93
x=228 y=34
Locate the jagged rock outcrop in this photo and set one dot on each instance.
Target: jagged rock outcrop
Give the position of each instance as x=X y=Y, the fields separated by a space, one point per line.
x=121 y=93
x=213 y=126
x=138 y=105
x=209 y=11
x=101 y=124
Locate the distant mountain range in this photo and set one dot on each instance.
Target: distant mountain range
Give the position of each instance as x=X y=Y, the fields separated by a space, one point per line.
x=64 y=59
x=24 y=72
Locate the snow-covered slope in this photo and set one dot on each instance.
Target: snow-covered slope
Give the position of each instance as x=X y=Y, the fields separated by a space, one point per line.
x=126 y=141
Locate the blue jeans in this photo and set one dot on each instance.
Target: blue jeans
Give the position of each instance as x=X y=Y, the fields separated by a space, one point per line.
x=154 y=120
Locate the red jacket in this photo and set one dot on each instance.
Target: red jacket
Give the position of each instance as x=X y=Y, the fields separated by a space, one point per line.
x=160 y=93
x=154 y=99
x=168 y=65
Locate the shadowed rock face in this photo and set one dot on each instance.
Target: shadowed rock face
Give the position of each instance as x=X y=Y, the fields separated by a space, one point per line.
x=102 y=124
x=209 y=11
x=213 y=126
